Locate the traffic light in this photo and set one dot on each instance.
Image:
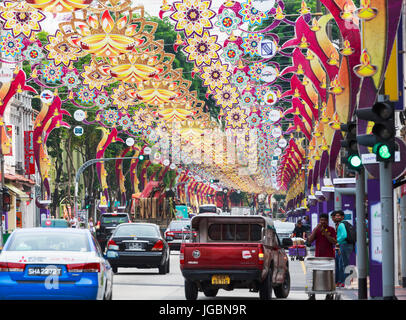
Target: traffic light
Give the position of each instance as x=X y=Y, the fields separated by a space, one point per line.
x=351 y=158
x=6 y=200
x=214 y=180
x=87 y=202
x=143 y=157
x=382 y=139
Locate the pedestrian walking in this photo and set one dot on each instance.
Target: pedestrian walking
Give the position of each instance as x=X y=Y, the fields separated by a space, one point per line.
x=325 y=237
x=73 y=222
x=91 y=225
x=344 y=247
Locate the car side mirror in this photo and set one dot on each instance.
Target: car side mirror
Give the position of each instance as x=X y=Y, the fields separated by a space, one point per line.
x=287 y=242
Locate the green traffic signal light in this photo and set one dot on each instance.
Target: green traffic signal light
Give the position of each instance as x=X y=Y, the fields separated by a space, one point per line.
x=355 y=161
x=382 y=150
x=141 y=157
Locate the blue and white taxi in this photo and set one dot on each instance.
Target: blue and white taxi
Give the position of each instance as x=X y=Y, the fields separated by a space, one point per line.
x=48 y=263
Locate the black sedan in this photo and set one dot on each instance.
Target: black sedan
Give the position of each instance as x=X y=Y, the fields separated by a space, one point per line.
x=138 y=245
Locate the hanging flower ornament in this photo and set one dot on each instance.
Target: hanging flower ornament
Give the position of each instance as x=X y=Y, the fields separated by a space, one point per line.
x=125 y=122
x=192 y=16
x=227 y=96
x=111 y=116
x=227 y=21
x=231 y=53
x=262 y=92
x=21 y=19
x=10 y=45
x=33 y=54
x=85 y=95
x=202 y=49
x=256 y=70
x=216 y=75
x=102 y=100
x=51 y=73
x=251 y=15
x=240 y=80
x=71 y=80
x=235 y=118
x=251 y=43
x=253 y=120
x=247 y=100
x=142 y=119
x=60 y=51
x=94 y=78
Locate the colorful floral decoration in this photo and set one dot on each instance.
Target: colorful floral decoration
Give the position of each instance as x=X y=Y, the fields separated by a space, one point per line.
x=85 y=95
x=111 y=116
x=71 y=80
x=120 y=97
x=247 y=100
x=231 y=53
x=216 y=75
x=58 y=6
x=202 y=49
x=267 y=127
x=93 y=78
x=51 y=73
x=261 y=93
x=10 y=45
x=256 y=70
x=125 y=122
x=151 y=135
x=251 y=43
x=142 y=119
x=21 y=19
x=240 y=80
x=102 y=100
x=235 y=118
x=251 y=15
x=33 y=54
x=192 y=16
x=227 y=21
x=60 y=51
x=253 y=120
x=227 y=96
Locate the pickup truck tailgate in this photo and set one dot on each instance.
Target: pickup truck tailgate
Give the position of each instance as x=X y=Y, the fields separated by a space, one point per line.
x=221 y=255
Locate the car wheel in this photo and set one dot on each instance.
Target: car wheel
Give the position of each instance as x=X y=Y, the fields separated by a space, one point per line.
x=282 y=291
x=162 y=269
x=265 y=288
x=115 y=269
x=211 y=292
x=191 y=290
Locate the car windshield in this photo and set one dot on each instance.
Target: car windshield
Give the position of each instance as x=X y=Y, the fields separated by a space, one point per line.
x=179 y=225
x=114 y=219
x=49 y=241
x=135 y=230
x=209 y=209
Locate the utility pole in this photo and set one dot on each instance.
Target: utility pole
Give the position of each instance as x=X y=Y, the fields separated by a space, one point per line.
x=388 y=246
x=361 y=236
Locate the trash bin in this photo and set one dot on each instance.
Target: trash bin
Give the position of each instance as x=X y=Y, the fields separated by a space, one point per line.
x=320 y=274
x=323 y=280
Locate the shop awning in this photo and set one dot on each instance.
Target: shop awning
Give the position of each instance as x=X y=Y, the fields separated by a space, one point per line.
x=19 y=193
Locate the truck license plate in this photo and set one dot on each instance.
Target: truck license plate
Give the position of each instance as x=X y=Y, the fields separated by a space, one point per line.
x=220 y=279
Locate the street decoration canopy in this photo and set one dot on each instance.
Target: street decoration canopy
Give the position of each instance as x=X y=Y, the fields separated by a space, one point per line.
x=278 y=124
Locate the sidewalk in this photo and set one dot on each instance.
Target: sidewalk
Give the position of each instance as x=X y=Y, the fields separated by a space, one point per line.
x=351 y=293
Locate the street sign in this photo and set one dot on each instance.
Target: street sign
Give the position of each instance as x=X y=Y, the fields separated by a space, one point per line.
x=369 y=158
x=78 y=131
x=29 y=162
x=267 y=48
x=129 y=141
x=47 y=96
x=79 y=115
x=343 y=180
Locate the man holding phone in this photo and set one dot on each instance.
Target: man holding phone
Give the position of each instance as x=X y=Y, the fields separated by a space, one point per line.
x=325 y=237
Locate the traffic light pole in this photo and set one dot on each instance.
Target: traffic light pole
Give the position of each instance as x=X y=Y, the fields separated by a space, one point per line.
x=361 y=236
x=388 y=246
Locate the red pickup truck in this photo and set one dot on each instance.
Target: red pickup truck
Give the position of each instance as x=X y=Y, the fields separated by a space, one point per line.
x=233 y=252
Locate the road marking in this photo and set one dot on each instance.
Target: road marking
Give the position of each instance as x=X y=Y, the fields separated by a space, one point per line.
x=303 y=267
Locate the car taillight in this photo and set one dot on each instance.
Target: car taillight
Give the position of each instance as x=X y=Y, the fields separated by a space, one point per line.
x=158 y=246
x=112 y=245
x=261 y=255
x=169 y=234
x=182 y=255
x=12 y=267
x=83 y=267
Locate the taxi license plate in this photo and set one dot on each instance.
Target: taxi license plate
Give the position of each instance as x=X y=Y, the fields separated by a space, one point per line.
x=220 y=279
x=44 y=271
